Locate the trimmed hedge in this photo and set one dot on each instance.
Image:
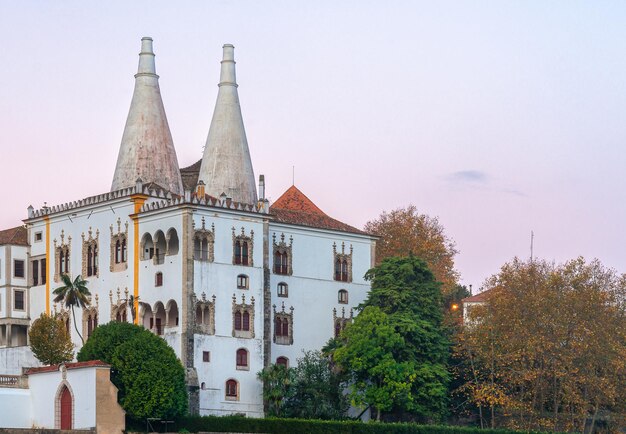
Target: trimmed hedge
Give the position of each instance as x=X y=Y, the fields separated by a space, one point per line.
x=240 y=424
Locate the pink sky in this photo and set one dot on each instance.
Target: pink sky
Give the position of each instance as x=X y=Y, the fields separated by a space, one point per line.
x=497 y=117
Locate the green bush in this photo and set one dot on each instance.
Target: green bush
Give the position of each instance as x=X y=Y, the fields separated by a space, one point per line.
x=301 y=426
x=149 y=377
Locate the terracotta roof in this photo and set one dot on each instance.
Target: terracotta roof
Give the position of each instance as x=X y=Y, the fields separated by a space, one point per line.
x=15 y=236
x=478 y=298
x=75 y=365
x=190 y=175
x=293 y=207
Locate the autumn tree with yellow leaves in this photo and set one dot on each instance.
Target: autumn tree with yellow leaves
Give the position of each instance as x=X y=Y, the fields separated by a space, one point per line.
x=547 y=351
x=404 y=231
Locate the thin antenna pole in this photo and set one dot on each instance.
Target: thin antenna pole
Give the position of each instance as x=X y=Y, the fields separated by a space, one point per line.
x=532 y=239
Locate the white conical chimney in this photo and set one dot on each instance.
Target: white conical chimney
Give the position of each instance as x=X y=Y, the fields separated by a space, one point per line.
x=147 y=149
x=226 y=164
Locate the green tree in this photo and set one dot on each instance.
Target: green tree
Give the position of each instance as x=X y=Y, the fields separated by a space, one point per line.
x=404 y=231
x=277 y=382
x=49 y=341
x=317 y=390
x=149 y=377
x=399 y=343
x=73 y=293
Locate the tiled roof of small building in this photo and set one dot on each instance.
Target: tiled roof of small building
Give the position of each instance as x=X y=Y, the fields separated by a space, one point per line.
x=293 y=207
x=75 y=365
x=15 y=236
x=478 y=298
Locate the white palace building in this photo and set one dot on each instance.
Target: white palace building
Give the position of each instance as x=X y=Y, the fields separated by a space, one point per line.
x=232 y=282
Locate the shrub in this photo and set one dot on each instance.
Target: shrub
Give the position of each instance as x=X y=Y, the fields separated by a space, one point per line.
x=149 y=377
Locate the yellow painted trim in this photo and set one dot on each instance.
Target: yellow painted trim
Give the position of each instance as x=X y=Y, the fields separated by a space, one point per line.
x=48 y=264
x=138 y=201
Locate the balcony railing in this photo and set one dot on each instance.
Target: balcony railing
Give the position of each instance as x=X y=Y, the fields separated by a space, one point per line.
x=14 y=381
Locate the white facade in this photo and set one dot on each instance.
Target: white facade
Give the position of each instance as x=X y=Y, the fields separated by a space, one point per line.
x=202 y=269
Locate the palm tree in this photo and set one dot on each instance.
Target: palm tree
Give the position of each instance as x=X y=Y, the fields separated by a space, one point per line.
x=73 y=294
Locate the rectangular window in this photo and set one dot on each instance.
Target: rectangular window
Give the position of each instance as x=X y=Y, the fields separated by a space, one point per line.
x=44 y=271
x=18 y=300
x=35 y=273
x=38 y=236
x=206 y=356
x=18 y=268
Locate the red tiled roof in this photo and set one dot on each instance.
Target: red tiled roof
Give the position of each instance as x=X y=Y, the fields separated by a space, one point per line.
x=15 y=236
x=293 y=207
x=478 y=298
x=75 y=365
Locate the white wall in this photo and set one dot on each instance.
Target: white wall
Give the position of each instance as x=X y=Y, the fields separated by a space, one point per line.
x=15 y=408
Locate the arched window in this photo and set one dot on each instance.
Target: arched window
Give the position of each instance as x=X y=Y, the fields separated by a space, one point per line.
x=281 y=264
x=283 y=289
x=246 y=321
x=244 y=253
x=343 y=296
x=242 y=282
x=283 y=361
x=118 y=251
x=237 y=320
x=242 y=358
x=232 y=390
x=172 y=242
x=238 y=252
x=124 y=252
x=203 y=385
x=147 y=247
x=341 y=270
x=338 y=327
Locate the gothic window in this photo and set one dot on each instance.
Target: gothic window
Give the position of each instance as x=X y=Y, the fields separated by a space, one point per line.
x=119 y=309
x=160 y=319
x=340 y=322
x=242 y=359
x=282 y=255
x=90 y=254
x=64 y=316
x=283 y=289
x=62 y=257
x=232 y=390
x=243 y=248
x=158 y=279
x=203 y=243
x=342 y=263
x=243 y=318
x=242 y=282
x=205 y=315
x=90 y=319
x=343 y=296
x=283 y=361
x=119 y=247
x=283 y=326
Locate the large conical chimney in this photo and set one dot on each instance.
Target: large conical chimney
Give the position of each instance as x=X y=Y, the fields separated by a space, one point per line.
x=226 y=164
x=147 y=150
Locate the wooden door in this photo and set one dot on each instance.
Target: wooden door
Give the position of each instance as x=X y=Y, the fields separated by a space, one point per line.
x=66 y=409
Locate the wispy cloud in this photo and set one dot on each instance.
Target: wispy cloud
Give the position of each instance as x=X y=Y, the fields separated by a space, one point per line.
x=468 y=176
x=479 y=180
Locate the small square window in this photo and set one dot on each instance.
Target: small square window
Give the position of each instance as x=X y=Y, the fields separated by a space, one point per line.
x=18 y=268
x=206 y=356
x=38 y=236
x=18 y=300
